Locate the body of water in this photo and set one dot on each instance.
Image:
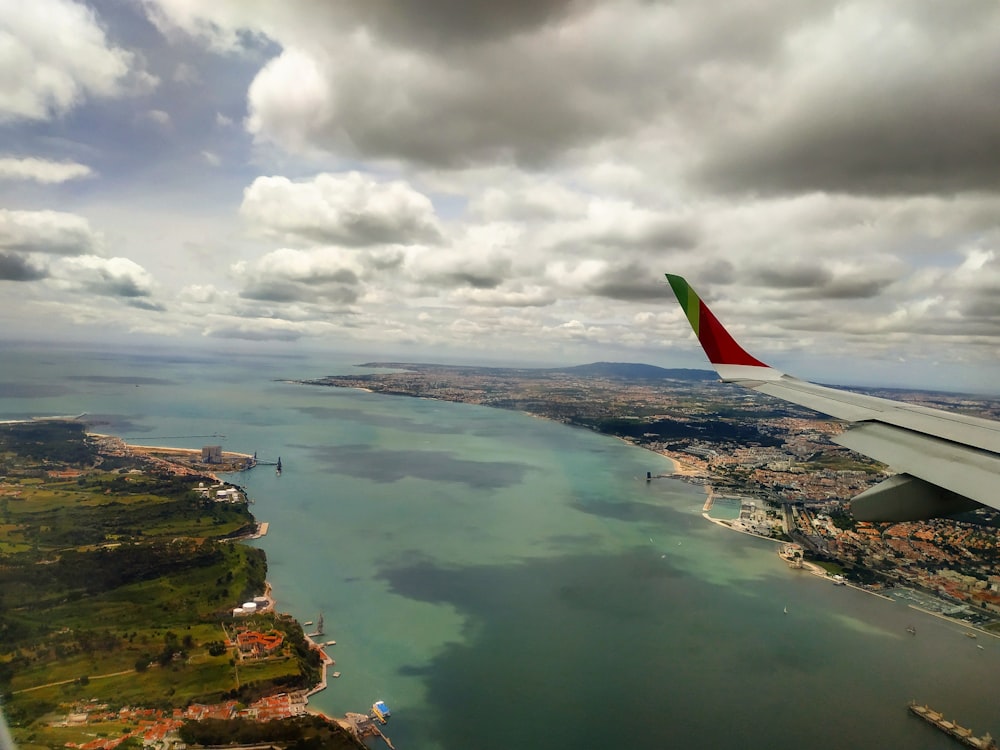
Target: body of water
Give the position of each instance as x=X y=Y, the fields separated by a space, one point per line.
x=506 y=582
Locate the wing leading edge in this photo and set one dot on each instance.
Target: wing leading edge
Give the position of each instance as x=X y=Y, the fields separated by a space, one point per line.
x=948 y=462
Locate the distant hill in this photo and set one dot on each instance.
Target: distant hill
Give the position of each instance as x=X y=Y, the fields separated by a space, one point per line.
x=635 y=371
x=615 y=370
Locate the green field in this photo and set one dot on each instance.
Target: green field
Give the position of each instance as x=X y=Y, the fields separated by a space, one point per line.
x=115 y=583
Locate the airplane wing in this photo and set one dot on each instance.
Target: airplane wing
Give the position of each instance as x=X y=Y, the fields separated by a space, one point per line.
x=948 y=462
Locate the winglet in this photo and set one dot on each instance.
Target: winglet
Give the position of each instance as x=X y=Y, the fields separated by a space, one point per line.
x=729 y=359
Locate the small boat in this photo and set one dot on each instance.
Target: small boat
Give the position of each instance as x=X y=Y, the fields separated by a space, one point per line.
x=786 y=610
x=308 y=622
x=330 y=643
x=911 y=630
x=970 y=634
x=335 y=674
x=980 y=647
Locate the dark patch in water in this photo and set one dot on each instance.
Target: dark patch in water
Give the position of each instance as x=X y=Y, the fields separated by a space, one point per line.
x=573 y=541
x=617 y=650
x=121 y=379
x=369 y=419
x=116 y=424
x=31 y=390
x=626 y=511
x=381 y=465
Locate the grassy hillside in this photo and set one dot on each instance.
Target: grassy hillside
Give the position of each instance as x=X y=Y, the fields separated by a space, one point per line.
x=117 y=585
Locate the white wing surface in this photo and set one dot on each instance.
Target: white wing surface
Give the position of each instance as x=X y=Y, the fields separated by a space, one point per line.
x=948 y=462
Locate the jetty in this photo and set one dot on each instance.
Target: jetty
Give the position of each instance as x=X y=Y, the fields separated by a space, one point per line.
x=363 y=726
x=960 y=733
x=319 y=627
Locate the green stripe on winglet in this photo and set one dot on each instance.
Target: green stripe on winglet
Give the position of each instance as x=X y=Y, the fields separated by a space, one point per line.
x=688 y=299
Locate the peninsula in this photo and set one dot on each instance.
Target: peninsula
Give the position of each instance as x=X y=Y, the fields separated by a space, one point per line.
x=121 y=579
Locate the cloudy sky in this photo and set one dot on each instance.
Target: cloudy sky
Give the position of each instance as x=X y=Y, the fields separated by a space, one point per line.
x=509 y=181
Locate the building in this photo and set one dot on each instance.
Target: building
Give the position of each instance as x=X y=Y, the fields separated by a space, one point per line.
x=211 y=454
x=253 y=643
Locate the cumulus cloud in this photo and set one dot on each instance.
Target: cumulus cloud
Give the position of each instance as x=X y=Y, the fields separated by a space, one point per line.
x=525 y=172
x=108 y=277
x=54 y=54
x=343 y=209
x=41 y=170
x=52 y=232
x=258 y=329
x=287 y=275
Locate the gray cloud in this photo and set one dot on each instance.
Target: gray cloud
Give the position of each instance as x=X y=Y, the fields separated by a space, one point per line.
x=250 y=332
x=630 y=283
x=53 y=232
x=143 y=304
x=453 y=22
x=284 y=290
x=15 y=267
x=791 y=277
x=847 y=288
x=516 y=178
x=912 y=110
x=477 y=281
x=321 y=275
x=107 y=277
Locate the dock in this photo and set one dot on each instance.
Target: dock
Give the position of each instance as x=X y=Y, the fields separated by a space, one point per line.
x=319 y=628
x=960 y=733
x=363 y=726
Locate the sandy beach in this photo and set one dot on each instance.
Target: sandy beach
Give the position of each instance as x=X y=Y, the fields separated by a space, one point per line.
x=683 y=468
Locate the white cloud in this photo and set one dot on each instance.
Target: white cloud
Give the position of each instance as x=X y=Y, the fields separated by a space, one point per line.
x=109 y=277
x=518 y=176
x=53 y=54
x=52 y=232
x=199 y=293
x=346 y=209
x=42 y=170
x=158 y=116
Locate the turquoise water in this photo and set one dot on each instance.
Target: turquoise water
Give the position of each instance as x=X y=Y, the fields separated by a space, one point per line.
x=505 y=582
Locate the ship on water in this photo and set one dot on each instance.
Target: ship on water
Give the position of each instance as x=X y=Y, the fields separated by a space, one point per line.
x=960 y=733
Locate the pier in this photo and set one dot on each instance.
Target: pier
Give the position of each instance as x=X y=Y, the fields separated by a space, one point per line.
x=960 y=733
x=319 y=628
x=363 y=726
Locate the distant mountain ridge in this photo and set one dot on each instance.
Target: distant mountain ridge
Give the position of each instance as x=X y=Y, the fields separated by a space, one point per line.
x=637 y=371
x=616 y=370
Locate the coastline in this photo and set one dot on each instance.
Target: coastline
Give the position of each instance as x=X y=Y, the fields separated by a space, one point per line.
x=681 y=468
